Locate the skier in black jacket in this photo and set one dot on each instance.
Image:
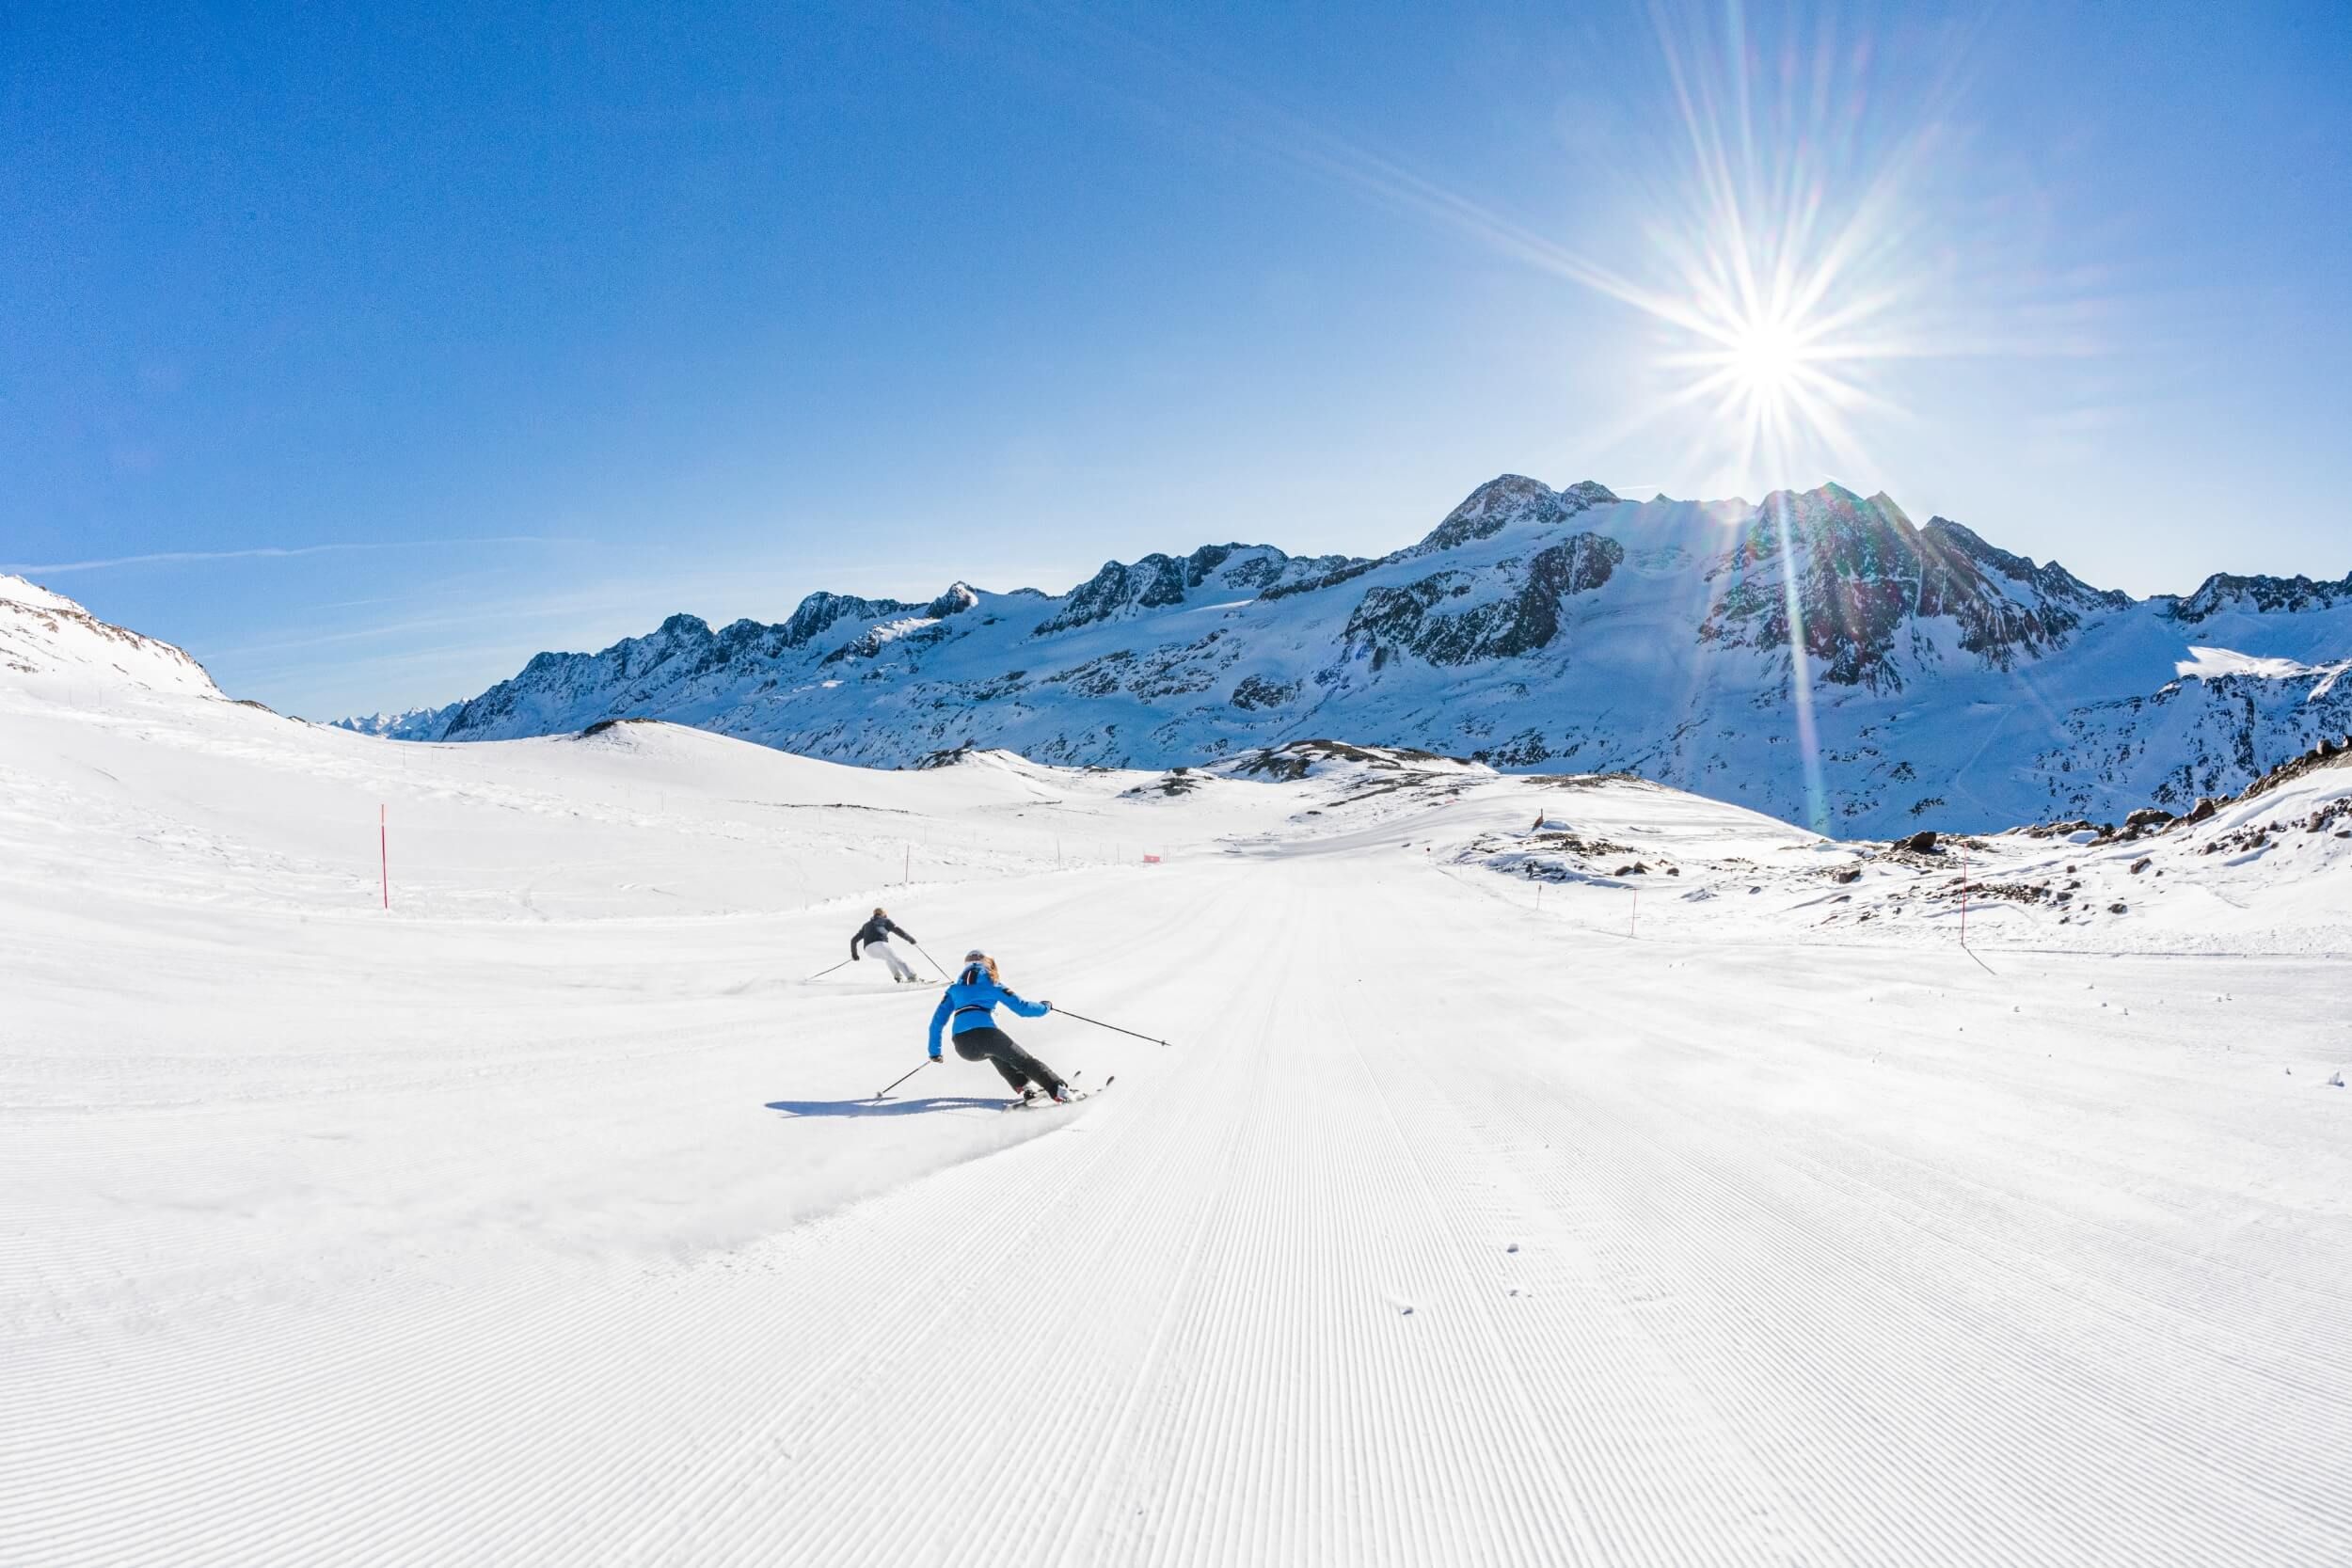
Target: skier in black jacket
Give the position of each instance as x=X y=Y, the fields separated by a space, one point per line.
x=874 y=936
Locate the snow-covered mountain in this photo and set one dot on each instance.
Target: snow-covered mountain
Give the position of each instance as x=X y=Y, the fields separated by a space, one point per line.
x=1949 y=683
x=46 y=634
x=406 y=725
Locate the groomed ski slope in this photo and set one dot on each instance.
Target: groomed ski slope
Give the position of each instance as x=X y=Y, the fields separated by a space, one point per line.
x=549 y=1218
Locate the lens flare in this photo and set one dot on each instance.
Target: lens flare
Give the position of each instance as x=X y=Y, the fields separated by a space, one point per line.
x=1786 y=268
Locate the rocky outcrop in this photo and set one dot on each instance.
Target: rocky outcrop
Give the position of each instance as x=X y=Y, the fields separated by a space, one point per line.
x=1512 y=500
x=1152 y=583
x=904 y=637
x=1253 y=693
x=1125 y=591
x=1416 y=617
x=555 y=690
x=959 y=597
x=820 y=612
x=2191 y=739
x=2260 y=594
x=1867 y=580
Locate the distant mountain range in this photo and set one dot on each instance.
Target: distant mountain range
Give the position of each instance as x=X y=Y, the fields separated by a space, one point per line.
x=1814 y=656
x=1945 y=681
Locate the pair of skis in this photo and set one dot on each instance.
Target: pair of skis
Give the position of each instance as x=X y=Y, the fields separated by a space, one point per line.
x=1033 y=1099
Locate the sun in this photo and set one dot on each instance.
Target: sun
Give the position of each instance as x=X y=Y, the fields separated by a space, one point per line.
x=1762 y=357
x=1766 y=358
x=1794 y=267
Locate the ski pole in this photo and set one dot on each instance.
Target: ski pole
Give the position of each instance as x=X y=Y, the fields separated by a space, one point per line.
x=1112 y=1027
x=929 y=959
x=885 y=1094
x=822 y=973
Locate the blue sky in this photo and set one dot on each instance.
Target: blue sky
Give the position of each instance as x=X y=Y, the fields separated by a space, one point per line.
x=419 y=343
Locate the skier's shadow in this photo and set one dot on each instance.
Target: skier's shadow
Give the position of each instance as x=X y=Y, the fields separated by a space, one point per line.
x=885 y=1107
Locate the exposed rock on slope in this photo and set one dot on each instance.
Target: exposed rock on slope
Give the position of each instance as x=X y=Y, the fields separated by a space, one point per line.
x=44 y=633
x=1870 y=587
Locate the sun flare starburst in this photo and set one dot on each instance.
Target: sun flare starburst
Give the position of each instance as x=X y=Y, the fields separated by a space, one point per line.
x=1765 y=358
x=1787 y=260
x=1768 y=347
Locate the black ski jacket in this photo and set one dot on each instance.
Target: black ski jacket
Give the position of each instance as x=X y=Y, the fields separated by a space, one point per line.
x=880 y=928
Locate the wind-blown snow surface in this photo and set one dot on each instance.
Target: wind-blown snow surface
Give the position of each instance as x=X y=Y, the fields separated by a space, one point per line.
x=549 y=1217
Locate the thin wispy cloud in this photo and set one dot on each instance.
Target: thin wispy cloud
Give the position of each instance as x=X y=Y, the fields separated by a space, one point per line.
x=1173 y=87
x=273 y=552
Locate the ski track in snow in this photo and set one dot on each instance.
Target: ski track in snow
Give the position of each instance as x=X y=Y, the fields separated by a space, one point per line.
x=1446 y=1232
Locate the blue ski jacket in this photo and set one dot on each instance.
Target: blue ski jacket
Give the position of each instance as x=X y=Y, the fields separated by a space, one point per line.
x=970 y=1001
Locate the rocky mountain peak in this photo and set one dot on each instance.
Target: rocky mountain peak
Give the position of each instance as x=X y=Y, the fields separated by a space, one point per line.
x=820 y=613
x=2259 y=595
x=1509 y=499
x=958 y=597
x=2053 y=581
x=1153 y=582
x=1120 y=591
x=1867 y=579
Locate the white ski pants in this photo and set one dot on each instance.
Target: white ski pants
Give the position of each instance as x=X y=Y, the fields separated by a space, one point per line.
x=900 y=968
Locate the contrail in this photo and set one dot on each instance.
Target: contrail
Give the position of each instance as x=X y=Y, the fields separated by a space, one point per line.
x=53 y=568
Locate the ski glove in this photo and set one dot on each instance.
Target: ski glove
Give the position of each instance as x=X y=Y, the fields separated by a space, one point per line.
x=935 y=1055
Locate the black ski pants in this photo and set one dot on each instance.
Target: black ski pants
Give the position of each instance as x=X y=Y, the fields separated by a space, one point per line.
x=1020 y=1069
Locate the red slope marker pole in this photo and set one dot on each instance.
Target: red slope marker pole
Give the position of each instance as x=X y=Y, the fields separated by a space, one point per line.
x=384 y=854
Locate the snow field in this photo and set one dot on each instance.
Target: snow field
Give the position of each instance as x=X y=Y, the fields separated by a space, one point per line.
x=550 y=1218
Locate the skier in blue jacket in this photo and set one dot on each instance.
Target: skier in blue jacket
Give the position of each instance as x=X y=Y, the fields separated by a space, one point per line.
x=968 y=1010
